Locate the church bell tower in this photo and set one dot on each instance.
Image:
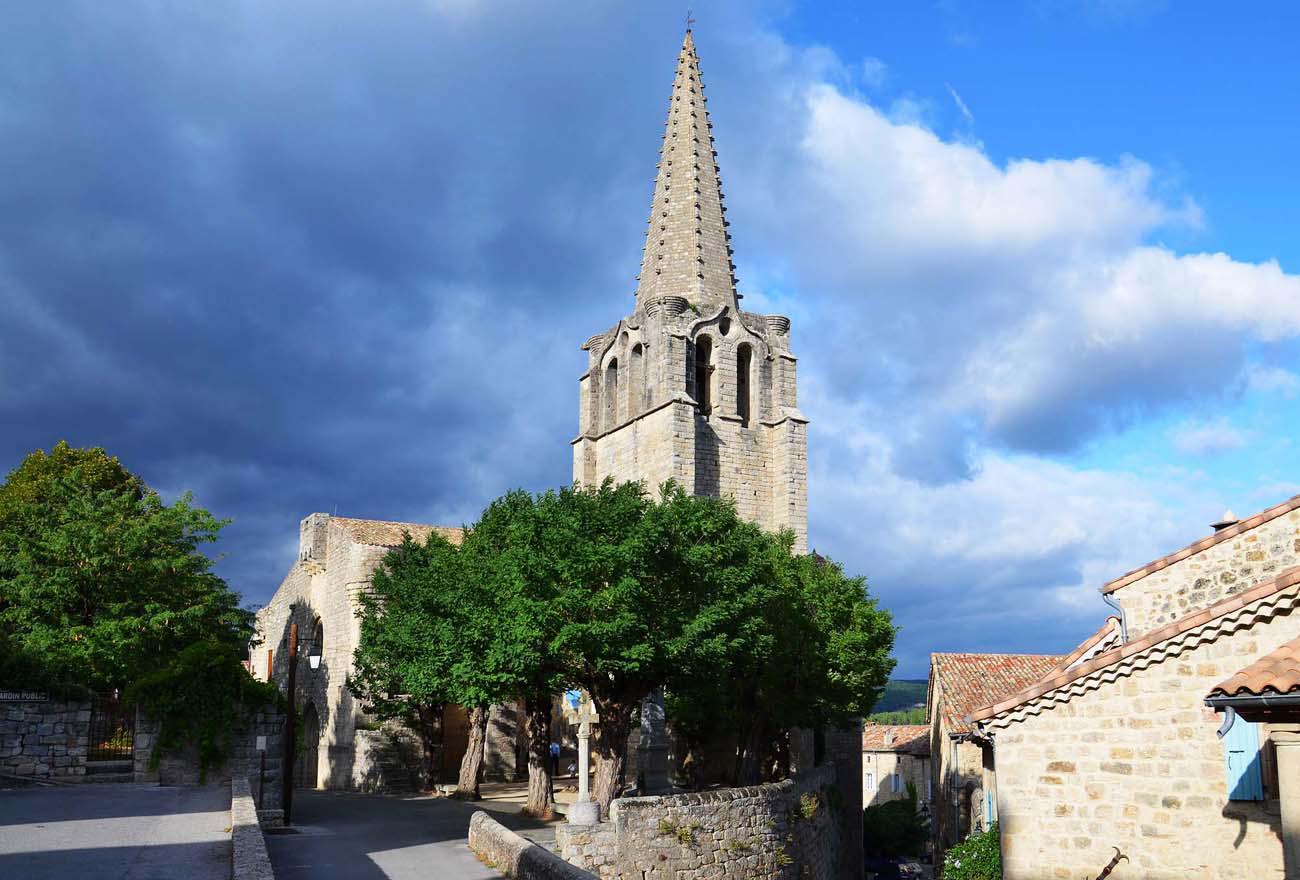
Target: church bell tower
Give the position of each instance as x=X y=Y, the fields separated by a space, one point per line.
x=689 y=386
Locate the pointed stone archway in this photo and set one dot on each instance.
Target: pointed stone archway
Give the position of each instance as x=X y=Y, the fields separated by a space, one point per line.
x=309 y=758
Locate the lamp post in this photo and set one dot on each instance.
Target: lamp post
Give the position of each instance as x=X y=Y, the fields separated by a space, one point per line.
x=289 y=734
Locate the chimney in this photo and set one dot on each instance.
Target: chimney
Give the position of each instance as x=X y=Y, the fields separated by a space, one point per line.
x=1228 y=519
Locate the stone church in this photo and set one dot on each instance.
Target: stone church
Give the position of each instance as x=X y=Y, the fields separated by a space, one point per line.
x=688 y=387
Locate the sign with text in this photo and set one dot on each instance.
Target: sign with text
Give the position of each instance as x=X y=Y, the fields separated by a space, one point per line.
x=23 y=697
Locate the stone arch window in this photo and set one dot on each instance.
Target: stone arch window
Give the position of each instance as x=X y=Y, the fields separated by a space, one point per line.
x=704 y=373
x=744 y=362
x=636 y=388
x=610 y=391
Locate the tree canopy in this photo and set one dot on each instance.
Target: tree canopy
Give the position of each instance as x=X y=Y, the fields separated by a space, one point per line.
x=101 y=582
x=618 y=593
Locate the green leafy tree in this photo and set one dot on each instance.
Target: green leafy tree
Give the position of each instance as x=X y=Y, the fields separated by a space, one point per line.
x=429 y=637
x=403 y=662
x=100 y=581
x=798 y=642
x=517 y=552
x=200 y=698
x=606 y=589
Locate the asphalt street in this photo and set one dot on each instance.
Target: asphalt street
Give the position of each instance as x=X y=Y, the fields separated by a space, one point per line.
x=115 y=832
x=375 y=837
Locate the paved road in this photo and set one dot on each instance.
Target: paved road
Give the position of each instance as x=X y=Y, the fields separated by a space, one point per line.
x=115 y=832
x=375 y=837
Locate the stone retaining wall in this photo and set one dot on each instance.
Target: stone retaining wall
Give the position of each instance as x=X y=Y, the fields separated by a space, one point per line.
x=500 y=848
x=787 y=830
x=245 y=759
x=249 y=858
x=44 y=738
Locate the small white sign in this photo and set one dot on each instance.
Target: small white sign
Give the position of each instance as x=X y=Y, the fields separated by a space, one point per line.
x=261 y=744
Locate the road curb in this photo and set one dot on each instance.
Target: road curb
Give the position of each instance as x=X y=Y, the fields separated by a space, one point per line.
x=249 y=858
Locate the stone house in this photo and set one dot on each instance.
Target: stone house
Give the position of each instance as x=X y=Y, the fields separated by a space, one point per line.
x=961 y=759
x=343 y=748
x=1132 y=744
x=894 y=756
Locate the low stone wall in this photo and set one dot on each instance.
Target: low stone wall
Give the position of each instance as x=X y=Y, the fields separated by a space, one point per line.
x=249 y=858
x=500 y=848
x=245 y=759
x=44 y=739
x=786 y=830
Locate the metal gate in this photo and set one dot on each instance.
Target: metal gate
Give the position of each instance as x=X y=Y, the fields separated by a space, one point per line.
x=112 y=728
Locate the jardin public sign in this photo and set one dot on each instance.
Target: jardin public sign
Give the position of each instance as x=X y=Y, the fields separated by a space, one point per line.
x=23 y=697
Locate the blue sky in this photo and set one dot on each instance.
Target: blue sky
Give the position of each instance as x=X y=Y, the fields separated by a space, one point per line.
x=1039 y=258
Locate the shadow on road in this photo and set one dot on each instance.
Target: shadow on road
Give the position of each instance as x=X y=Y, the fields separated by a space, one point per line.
x=35 y=805
x=376 y=837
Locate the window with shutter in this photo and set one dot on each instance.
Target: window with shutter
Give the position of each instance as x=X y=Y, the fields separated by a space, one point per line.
x=1241 y=755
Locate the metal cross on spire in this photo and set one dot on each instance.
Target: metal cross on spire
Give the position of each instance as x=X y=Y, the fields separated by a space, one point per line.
x=689 y=21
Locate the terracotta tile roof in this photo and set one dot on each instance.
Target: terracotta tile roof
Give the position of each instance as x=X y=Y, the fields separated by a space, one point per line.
x=1274 y=673
x=1285 y=580
x=911 y=739
x=1204 y=544
x=382 y=533
x=970 y=681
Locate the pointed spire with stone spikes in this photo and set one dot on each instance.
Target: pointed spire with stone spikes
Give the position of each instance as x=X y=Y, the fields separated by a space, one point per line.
x=688 y=249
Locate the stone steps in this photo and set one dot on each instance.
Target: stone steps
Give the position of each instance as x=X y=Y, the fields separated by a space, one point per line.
x=109 y=771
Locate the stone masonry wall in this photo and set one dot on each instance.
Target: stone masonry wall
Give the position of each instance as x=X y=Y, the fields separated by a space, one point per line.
x=1220 y=571
x=499 y=848
x=788 y=829
x=1136 y=764
x=244 y=758
x=44 y=739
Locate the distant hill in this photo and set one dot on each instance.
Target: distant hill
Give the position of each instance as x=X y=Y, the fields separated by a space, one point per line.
x=901 y=693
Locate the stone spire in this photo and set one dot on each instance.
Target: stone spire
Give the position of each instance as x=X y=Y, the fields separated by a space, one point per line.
x=688 y=249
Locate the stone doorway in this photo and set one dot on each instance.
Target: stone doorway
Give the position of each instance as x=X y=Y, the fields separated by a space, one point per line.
x=309 y=761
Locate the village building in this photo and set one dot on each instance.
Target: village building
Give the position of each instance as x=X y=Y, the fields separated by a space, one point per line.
x=895 y=756
x=961 y=759
x=343 y=747
x=1165 y=736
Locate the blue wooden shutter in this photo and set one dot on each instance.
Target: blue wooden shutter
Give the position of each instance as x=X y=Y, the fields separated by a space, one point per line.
x=988 y=807
x=1241 y=756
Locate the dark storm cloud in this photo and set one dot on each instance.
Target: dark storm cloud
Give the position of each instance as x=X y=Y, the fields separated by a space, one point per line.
x=299 y=259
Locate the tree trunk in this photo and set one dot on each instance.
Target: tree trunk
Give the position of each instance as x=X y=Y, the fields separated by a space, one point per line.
x=430 y=723
x=609 y=743
x=537 y=711
x=751 y=751
x=471 y=766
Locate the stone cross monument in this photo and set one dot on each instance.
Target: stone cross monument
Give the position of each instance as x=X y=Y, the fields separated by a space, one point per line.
x=584 y=811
